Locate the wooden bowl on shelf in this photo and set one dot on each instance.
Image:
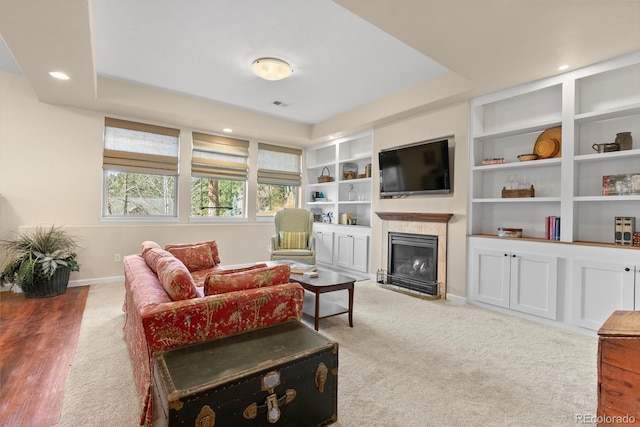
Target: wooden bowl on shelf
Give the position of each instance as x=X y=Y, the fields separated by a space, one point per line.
x=527 y=157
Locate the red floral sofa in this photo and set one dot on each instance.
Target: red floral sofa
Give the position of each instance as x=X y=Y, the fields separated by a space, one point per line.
x=181 y=295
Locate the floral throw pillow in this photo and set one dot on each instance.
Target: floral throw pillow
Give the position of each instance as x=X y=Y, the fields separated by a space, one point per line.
x=176 y=279
x=212 y=245
x=256 y=278
x=195 y=257
x=293 y=239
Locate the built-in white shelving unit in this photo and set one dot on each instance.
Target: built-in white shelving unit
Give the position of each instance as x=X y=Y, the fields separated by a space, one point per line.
x=342 y=245
x=591 y=105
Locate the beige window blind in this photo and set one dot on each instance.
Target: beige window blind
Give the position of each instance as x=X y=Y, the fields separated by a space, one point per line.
x=140 y=148
x=279 y=165
x=219 y=157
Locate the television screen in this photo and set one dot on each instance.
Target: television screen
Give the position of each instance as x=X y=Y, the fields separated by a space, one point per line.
x=422 y=168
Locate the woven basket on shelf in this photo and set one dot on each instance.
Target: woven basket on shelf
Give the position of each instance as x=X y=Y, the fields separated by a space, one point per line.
x=323 y=177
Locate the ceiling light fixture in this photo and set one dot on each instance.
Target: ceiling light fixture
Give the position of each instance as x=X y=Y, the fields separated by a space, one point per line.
x=227 y=130
x=271 y=68
x=563 y=67
x=59 y=75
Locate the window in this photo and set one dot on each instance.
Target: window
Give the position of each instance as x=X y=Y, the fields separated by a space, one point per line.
x=279 y=178
x=140 y=164
x=219 y=171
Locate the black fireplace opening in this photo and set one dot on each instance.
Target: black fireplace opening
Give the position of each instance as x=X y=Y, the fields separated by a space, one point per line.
x=412 y=262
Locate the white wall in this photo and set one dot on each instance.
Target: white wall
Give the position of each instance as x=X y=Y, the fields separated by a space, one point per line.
x=441 y=123
x=51 y=173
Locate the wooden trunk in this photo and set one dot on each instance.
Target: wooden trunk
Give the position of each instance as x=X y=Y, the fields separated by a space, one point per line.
x=282 y=375
x=619 y=370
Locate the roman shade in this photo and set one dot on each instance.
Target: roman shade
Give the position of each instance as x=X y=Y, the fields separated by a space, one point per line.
x=140 y=148
x=219 y=157
x=279 y=165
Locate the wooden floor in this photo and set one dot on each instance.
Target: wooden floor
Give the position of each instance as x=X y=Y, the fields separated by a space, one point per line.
x=38 y=339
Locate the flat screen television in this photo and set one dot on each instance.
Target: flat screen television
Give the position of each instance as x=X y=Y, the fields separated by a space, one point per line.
x=421 y=168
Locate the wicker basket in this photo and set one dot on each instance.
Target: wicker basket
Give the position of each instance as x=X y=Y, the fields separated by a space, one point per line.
x=325 y=178
x=56 y=285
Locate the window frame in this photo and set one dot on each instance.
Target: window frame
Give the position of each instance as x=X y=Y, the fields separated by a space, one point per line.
x=138 y=162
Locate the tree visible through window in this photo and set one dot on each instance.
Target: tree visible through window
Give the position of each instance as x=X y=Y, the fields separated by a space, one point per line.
x=272 y=198
x=217 y=198
x=140 y=194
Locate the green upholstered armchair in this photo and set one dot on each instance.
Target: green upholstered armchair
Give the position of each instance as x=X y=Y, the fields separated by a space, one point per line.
x=294 y=236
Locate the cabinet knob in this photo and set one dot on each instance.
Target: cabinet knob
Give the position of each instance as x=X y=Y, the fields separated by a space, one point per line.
x=627 y=269
x=506 y=254
x=514 y=255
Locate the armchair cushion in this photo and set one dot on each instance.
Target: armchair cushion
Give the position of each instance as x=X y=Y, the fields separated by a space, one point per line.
x=256 y=278
x=176 y=279
x=194 y=257
x=293 y=239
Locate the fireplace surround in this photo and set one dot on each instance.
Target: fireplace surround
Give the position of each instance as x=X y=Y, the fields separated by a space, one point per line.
x=422 y=224
x=412 y=262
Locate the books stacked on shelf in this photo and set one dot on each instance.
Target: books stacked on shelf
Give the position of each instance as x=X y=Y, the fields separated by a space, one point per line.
x=552 y=228
x=625 y=230
x=636 y=240
x=493 y=161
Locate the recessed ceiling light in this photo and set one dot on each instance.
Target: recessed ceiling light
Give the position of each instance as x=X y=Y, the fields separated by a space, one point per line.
x=59 y=75
x=271 y=68
x=227 y=130
x=563 y=67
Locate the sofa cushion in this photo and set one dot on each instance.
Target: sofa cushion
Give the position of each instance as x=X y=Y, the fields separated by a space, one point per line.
x=175 y=279
x=212 y=245
x=195 y=257
x=151 y=256
x=293 y=239
x=256 y=278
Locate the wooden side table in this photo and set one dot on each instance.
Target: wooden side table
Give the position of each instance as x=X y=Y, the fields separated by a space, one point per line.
x=619 y=370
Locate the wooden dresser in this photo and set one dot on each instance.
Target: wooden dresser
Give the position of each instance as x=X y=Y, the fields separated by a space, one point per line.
x=619 y=370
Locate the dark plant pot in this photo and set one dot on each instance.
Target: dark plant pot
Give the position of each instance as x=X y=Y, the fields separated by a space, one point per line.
x=56 y=285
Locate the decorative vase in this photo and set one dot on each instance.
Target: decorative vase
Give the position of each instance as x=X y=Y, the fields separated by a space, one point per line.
x=55 y=285
x=624 y=140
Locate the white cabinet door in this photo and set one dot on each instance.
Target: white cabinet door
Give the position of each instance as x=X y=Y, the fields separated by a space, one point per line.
x=600 y=288
x=520 y=281
x=353 y=252
x=491 y=276
x=360 y=260
x=324 y=246
x=534 y=284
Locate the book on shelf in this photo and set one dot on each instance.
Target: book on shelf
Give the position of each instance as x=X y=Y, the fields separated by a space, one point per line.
x=624 y=230
x=493 y=161
x=552 y=228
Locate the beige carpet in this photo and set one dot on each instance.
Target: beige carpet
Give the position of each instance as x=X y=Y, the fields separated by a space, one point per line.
x=407 y=362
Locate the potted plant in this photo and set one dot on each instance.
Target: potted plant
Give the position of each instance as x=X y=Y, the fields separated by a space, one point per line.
x=40 y=261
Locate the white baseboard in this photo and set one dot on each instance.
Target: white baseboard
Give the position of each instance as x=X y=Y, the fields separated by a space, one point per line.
x=456 y=299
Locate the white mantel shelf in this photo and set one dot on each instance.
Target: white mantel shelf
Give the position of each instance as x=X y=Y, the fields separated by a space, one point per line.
x=414 y=216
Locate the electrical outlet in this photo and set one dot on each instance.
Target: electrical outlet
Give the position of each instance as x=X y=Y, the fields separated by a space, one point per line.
x=117 y=258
